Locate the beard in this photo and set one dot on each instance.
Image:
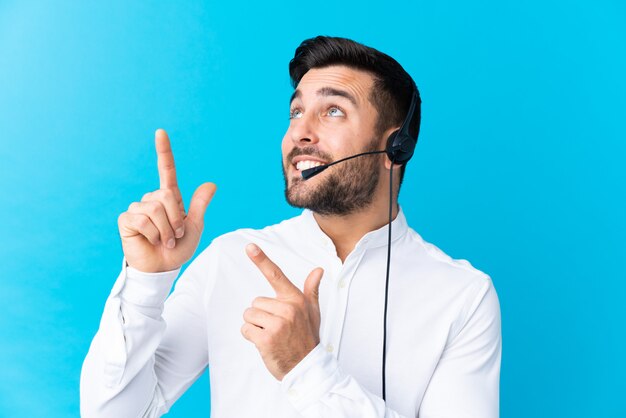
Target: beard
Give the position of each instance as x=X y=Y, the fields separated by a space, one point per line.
x=347 y=187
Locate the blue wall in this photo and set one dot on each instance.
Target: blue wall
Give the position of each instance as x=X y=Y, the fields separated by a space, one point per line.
x=520 y=166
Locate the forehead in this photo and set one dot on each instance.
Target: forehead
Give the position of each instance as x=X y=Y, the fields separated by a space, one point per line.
x=356 y=82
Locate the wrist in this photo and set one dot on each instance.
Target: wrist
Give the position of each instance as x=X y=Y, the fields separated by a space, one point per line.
x=310 y=379
x=146 y=288
x=151 y=269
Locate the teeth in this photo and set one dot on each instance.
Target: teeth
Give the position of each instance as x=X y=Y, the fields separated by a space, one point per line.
x=305 y=165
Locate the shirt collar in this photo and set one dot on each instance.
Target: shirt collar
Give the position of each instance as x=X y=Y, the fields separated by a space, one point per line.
x=372 y=239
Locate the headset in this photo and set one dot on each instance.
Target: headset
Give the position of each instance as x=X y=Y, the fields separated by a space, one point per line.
x=399 y=149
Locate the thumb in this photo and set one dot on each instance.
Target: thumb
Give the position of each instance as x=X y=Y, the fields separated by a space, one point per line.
x=312 y=286
x=199 y=202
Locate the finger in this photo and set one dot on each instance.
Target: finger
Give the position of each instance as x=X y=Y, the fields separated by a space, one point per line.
x=312 y=286
x=156 y=212
x=165 y=160
x=274 y=307
x=251 y=332
x=258 y=317
x=132 y=224
x=279 y=282
x=168 y=199
x=178 y=197
x=199 y=202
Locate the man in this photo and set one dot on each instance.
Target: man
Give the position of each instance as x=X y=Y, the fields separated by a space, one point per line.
x=290 y=318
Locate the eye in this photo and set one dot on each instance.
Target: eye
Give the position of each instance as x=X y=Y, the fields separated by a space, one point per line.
x=295 y=114
x=335 y=112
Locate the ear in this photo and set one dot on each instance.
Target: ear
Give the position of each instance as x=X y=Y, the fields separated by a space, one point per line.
x=396 y=167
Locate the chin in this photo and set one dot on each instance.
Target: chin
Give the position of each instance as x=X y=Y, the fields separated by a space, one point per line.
x=297 y=196
x=298 y=193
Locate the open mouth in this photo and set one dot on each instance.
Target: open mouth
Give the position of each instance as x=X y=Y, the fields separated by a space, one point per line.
x=306 y=164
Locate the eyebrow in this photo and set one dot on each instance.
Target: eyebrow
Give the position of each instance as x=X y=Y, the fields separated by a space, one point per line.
x=326 y=92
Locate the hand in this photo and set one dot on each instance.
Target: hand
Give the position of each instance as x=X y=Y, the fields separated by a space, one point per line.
x=156 y=233
x=286 y=328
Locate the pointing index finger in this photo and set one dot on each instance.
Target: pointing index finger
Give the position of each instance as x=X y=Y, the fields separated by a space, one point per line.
x=165 y=160
x=277 y=279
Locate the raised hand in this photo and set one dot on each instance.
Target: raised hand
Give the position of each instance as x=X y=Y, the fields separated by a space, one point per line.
x=157 y=235
x=286 y=328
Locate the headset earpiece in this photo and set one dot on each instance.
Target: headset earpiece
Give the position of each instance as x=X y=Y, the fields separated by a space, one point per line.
x=400 y=147
x=401 y=144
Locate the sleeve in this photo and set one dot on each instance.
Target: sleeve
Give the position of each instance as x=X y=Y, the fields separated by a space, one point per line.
x=466 y=381
x=317 y=388
x=148 y=350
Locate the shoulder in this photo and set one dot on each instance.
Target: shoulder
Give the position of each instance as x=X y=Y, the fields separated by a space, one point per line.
x=456 y=283
x=437 y=262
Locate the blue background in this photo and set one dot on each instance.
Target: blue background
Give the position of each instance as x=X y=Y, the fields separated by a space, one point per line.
x=519 y=168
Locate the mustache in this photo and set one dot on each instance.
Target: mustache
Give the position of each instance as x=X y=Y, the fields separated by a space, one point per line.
x=310 y=151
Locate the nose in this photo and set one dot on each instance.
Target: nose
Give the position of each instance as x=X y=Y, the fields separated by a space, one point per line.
x=303 y=131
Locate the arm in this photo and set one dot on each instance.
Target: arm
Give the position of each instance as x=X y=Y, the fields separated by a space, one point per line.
x=137 y=365
x=467 y=378
x=146 y=353
x=465 y=382
x=316 y=387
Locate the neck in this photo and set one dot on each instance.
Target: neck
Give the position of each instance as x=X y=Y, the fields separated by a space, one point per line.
x=346 y=230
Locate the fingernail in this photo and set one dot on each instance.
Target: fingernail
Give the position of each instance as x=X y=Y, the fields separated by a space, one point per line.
x=171 y=243
x=253 y=249
x=180 y=232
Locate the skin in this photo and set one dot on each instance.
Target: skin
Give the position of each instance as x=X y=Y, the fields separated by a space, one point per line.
x=158 y=235
x=339 y=136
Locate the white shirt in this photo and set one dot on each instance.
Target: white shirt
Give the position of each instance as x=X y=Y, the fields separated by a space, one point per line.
x=443 y=332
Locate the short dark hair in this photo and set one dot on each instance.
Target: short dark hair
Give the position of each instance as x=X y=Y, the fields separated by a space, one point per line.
x=393 y=87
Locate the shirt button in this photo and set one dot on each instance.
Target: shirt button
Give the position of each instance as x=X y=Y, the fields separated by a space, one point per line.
x=342 y=283
x=292 y=393
x=330 y=348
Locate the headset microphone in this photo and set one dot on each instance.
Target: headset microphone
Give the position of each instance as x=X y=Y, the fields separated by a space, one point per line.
x=400 y=146
x=310 y=172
